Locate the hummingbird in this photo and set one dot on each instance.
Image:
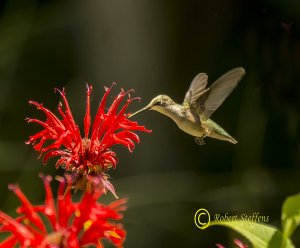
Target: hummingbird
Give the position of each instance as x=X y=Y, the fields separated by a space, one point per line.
x=200 y=102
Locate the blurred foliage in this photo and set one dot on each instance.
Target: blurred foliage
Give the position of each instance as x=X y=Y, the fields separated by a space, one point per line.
x=158 y=47
x=256 y=228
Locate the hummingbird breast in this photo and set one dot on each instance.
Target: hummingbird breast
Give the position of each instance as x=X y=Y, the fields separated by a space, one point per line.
x=191 y=126
x=185 y=120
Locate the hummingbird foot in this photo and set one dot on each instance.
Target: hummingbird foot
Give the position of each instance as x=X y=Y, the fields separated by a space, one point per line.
x=199 y=141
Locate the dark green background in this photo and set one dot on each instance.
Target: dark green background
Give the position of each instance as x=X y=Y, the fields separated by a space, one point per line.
x=157 y=47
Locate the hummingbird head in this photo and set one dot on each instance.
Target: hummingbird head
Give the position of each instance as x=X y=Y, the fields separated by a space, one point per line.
x=158 y=103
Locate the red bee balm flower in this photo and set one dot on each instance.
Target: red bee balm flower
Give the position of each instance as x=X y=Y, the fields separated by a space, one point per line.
x=69 y=224
x=91 y=154
x=237 y=242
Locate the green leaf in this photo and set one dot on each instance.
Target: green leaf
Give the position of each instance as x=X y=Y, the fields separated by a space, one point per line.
x=260 y=235
x=290 y=216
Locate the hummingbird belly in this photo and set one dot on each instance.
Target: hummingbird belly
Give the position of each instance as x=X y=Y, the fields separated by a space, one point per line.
x=193 y=128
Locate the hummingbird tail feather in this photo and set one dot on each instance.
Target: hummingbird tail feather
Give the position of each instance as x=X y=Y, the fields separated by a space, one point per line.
x=232 y=140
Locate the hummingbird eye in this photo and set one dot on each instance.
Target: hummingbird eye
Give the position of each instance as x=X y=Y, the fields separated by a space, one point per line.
x=161 y=103
x=158 y=103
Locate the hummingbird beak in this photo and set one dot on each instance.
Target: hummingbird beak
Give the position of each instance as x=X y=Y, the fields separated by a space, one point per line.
x=145 y=108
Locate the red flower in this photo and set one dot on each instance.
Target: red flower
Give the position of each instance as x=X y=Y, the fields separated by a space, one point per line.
x=240 y=244
x=72 y=224
x=237 y=242
x=90 y=154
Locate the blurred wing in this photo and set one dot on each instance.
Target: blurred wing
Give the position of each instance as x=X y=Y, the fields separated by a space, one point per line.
x=196 y=89
x=219 y=91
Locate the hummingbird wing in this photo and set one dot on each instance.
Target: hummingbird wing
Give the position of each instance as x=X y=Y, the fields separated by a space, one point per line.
x=218 y=92
x=196 y=89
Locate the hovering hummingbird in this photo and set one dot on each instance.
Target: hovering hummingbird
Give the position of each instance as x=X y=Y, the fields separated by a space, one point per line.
x=200 y=102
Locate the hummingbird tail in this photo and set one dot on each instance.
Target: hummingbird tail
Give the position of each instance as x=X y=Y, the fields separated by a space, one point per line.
x=221 y=134
x=231 y=140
